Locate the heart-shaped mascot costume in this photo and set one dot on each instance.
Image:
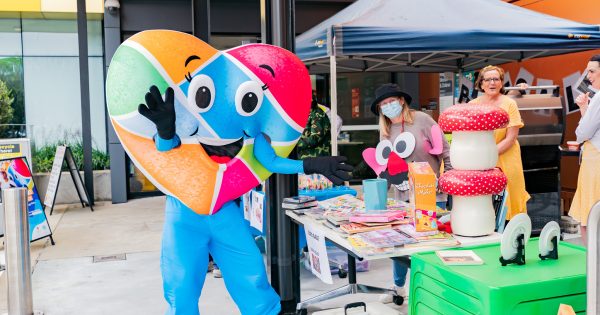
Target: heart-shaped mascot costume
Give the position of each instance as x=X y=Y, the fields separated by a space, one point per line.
x=206 y=126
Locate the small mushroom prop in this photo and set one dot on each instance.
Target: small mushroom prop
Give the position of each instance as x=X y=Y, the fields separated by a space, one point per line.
x=472 y=126
x=472 y=210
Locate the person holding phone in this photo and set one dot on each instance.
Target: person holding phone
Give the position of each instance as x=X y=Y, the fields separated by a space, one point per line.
x=588 y=135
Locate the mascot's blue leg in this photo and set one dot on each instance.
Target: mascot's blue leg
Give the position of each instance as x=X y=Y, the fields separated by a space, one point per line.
x=184 y=257
x=234 y=250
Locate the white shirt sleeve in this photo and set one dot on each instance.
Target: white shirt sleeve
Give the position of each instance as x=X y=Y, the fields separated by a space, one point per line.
x=590 y=122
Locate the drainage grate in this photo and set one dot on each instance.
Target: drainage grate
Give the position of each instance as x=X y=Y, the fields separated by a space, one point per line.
x=106 y=258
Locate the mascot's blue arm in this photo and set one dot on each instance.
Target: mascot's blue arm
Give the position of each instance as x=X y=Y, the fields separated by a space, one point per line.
x=264 y=153
x=163 y=145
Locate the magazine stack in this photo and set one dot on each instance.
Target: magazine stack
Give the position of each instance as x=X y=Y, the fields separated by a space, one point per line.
x=299 y=204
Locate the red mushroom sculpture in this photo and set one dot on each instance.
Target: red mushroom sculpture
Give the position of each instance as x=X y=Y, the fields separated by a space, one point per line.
x=472 y=126
x=472 y=209
x=474 y=155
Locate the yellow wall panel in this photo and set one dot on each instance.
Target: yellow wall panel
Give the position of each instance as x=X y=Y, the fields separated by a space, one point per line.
x=20 y=6
x=92 y=6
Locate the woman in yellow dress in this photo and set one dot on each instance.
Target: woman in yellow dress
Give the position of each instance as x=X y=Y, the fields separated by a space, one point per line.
x=588 y=134
x=491 y=83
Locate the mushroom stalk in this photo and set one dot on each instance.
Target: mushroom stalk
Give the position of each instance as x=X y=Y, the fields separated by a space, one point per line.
x=472 y=215
x=473 y=150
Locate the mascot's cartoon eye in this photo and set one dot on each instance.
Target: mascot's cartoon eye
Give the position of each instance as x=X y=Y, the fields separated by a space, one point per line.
x=382 y=152
x=404 y=145
x=248 y=98
x=201 y=92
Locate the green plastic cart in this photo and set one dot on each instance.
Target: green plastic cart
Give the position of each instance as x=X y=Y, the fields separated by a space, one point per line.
x=538 y=287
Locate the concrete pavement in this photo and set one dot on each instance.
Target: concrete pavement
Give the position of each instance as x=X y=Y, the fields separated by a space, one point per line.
x=125 y=240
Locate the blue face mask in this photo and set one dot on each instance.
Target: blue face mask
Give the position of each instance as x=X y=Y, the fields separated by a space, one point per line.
x=391 y=110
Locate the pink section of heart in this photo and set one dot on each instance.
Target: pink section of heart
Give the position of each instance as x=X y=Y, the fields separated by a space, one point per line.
x=287 y=69
x=369 y=157
x=436 y=146
x=236 y=180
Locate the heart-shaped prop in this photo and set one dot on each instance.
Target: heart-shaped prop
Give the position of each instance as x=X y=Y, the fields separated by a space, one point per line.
x=223 y=100
x=436 y=146
x=369 y=155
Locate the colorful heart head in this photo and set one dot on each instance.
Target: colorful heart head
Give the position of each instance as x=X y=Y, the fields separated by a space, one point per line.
x=223 y=99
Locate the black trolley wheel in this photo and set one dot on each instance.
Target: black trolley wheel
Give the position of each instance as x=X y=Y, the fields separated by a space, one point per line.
x=398 y=300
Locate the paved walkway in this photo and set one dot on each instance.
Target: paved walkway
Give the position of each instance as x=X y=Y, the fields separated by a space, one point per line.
x=66 y=280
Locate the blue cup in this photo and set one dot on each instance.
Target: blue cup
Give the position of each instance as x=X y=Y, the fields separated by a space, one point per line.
x=375 y=193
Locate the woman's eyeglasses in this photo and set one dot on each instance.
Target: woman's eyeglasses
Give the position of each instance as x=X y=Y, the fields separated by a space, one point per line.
x=488 y=80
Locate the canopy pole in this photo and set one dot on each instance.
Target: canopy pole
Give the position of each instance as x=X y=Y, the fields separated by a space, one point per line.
x=334 y=107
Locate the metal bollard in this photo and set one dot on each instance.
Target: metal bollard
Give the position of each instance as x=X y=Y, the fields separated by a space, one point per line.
x=18 y=261
x=592 y=259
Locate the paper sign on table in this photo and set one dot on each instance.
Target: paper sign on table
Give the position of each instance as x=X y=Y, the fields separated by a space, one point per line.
x=257 y=210
x=317 y=254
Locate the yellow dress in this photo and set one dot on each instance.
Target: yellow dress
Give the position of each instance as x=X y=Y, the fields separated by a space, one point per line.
x=510 y=161
x=588 y=184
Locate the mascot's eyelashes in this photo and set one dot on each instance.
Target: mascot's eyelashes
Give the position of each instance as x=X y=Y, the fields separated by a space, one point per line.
x=191 y=58
x=268 y=68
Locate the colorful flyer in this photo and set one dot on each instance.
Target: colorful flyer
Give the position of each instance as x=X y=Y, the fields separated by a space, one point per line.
x=257 y=210
x=15 y=173
x=247 y=203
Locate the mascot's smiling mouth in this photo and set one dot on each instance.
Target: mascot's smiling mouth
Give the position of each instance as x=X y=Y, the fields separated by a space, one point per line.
x=220 y=151
x=223 y=153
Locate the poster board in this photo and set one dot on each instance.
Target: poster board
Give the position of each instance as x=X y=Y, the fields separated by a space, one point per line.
x=63 y=153
x=464 y=87
x=446 y=91
x=317 y=253
x=1 y=221
x=15 y=172
x=571 y=92
x=257 y=212
x=55 y=173
x=253 y=205
x=11 y=148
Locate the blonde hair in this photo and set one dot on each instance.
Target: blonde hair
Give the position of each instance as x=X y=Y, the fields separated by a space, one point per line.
x=479 y=80
x=385 y=124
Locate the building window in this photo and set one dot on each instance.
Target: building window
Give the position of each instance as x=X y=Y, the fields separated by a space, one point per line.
x=12 y=105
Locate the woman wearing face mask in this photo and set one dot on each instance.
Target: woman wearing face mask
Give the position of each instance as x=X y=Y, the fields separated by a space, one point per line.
x=588 y=134
x=396 y=118
x=491 y=82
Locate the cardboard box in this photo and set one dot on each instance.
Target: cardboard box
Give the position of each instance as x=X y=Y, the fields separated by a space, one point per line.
x=422 y=181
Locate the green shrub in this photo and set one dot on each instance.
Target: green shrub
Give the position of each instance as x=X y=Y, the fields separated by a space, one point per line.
x=43 y=157
x=6 y=110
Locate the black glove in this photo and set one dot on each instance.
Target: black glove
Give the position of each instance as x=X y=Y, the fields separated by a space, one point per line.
x=332 y=167
x=161 y=113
